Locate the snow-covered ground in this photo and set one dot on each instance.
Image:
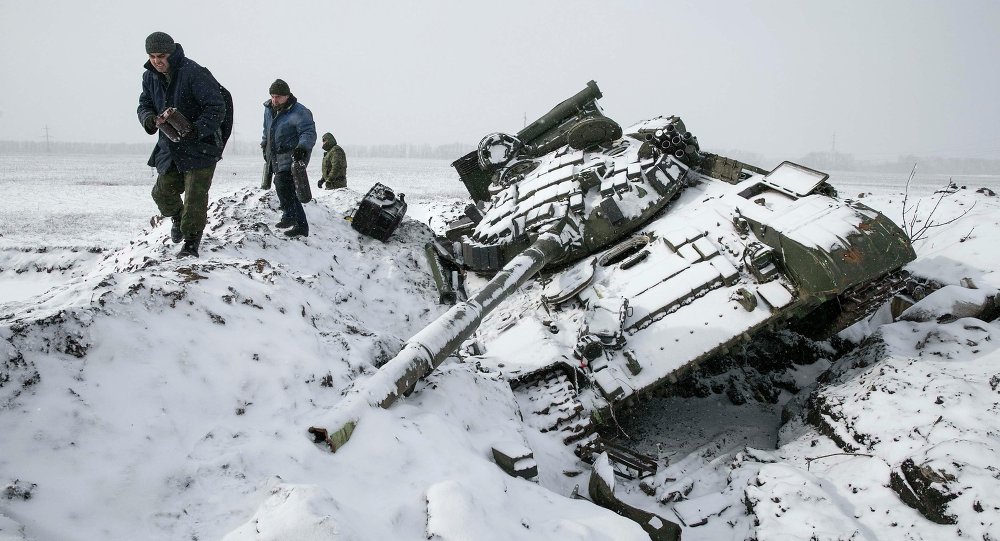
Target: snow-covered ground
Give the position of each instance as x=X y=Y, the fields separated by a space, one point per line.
x=142 y=397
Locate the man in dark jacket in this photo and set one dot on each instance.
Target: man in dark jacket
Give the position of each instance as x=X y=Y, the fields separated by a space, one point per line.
x=289 y=135
x=334 y=164
x=186 y=165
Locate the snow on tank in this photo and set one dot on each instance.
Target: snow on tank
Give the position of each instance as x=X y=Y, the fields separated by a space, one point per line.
x=653 y=256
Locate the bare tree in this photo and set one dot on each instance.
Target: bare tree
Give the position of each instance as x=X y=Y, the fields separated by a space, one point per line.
x=916 y=228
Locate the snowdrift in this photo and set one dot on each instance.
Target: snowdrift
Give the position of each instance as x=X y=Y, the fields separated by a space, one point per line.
x=155 y=398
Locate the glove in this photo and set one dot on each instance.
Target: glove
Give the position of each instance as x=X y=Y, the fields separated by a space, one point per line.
x=320 y=183
x=149 y=124
x=299 y=154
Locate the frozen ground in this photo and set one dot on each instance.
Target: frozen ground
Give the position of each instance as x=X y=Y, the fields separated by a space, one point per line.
x=146 y=398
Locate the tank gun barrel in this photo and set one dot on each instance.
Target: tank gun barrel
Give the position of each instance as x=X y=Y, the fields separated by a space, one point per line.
x=559 y=113
x=426 y=350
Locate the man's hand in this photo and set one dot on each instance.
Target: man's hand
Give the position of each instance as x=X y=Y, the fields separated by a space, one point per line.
x=299 y=154
x=149 y=124
x=320 y=183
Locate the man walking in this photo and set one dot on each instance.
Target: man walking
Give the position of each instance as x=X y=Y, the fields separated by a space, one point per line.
x=177 y=91
x=289 y=135
x=334 y=164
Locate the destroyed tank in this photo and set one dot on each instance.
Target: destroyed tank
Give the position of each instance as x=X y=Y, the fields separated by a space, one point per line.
x=652 y=256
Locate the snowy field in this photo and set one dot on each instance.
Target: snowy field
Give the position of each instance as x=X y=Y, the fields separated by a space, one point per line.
x=134 y=404
x=103 y=200
x=83 y=201
x=94 y=203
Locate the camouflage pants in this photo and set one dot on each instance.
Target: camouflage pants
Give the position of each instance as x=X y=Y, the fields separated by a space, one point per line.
x=194 y=207
x=339 y=182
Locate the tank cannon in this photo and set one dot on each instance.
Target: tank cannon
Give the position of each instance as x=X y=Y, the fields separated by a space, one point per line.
x=424 y=352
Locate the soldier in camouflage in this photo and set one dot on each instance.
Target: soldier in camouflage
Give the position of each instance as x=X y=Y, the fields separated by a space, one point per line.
x=334 y=164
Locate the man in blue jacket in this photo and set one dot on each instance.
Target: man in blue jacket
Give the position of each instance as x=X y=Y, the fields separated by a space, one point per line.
x=289 y=135
x=185 y=165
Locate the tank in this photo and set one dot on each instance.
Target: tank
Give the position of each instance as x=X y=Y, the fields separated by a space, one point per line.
x=649 y=256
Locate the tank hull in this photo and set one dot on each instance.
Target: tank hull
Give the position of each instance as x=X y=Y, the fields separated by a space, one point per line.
x=654 y=257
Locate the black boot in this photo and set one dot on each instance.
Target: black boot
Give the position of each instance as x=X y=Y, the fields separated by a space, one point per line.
x=175 y=229
x=298 y=231
x=190 y=248
x=284 y=223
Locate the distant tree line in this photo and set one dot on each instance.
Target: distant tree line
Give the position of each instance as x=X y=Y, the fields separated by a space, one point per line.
x=41 y=147
x=823 y=161
x=400 y=150
x=837 y=161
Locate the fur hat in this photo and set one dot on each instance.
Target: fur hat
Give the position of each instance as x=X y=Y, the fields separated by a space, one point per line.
x=279 y=88
x=160 y=42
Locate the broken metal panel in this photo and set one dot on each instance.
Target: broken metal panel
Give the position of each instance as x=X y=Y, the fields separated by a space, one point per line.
x=795 y=179
x=630 y=463
x=602 y=491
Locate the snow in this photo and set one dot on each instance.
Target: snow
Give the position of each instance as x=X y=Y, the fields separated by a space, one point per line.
x=142 y=397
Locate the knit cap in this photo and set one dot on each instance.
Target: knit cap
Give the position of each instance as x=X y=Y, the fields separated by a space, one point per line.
x=159 y=42
x=279 y=88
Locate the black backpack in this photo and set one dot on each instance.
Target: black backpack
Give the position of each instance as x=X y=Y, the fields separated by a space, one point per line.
x=227 y=123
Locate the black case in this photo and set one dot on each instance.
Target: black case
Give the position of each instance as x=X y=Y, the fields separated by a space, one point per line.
x=379 y=212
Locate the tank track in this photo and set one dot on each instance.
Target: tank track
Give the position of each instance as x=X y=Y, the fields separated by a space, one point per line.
x=860 y=301
x=549 y=403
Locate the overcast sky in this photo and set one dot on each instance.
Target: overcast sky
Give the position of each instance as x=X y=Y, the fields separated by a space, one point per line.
x=873 y=78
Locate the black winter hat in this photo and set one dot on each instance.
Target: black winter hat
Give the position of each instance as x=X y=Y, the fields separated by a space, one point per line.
x=279 y=88
x=159 y=42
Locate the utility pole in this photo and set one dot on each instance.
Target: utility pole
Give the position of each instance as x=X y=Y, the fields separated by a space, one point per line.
x=47 y=139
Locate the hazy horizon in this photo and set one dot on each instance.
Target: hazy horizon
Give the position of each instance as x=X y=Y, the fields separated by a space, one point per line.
x=781 y=78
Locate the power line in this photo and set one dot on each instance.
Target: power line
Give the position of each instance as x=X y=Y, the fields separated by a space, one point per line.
x=48 y=139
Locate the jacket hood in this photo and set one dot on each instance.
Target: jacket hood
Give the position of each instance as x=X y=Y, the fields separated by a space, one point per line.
x=329 y=141
x=176 y=59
